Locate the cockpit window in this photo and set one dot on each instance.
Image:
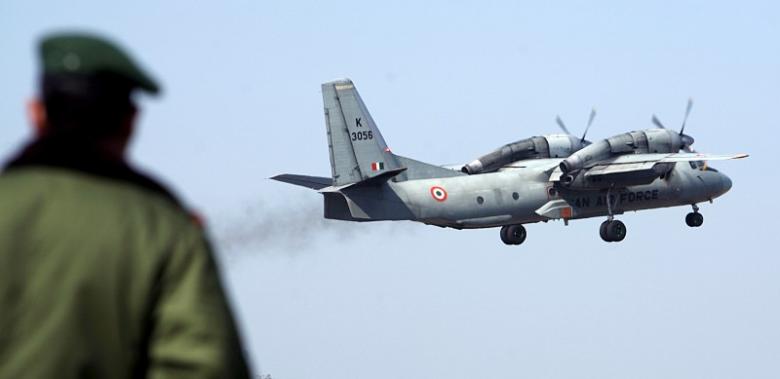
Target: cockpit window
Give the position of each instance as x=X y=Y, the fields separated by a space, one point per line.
x=701 y=165
x=698 y=165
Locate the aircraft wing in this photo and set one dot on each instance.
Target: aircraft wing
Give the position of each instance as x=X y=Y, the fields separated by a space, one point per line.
x=646 y=163
x=667 y=158
x=636 y=165
x=684 y=157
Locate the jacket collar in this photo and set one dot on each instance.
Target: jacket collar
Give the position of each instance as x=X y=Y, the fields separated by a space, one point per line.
x=78 y=155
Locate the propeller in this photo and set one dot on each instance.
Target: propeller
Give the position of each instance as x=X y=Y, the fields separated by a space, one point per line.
x=658 y=123
x=590 y=122
x=561 y=124
x=566 y=130
x=686 y=140
x=687 y=112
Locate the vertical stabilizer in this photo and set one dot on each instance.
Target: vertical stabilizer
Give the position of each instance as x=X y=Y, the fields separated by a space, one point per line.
x=357 y=149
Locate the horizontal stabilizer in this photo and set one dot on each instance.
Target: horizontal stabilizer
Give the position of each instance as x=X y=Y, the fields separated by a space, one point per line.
x=313 y=182
x=368 y=182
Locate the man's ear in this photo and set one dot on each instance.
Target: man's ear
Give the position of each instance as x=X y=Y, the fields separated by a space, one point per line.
x=36 y=113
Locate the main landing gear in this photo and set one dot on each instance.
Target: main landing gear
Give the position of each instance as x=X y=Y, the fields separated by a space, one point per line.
x=612 y=230
x=694 y=219
x=513 y=234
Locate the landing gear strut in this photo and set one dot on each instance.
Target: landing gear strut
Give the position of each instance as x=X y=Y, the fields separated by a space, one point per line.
x=694 y=219
x=513 y=234
x=612 y=230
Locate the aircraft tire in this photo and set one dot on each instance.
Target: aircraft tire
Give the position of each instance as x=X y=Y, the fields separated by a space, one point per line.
x=513 y=234
x=504 y=237
x=694 y=219
x=612 y=231
x=603 y=231
x=616 y=231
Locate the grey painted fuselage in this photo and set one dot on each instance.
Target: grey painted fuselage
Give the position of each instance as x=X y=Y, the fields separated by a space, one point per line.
x=513 y=196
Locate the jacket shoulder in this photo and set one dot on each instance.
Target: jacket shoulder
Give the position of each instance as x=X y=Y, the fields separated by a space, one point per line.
x=65 y=194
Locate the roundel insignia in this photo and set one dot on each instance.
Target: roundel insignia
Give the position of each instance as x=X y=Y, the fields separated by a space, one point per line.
x=438 y=193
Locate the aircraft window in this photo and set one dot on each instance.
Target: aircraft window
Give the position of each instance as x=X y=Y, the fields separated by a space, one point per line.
x=515 y=195
x=480 y=200
x=701 y=165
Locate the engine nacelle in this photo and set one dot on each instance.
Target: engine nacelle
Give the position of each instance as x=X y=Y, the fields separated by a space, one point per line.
x=636 y=142
x=549 y=146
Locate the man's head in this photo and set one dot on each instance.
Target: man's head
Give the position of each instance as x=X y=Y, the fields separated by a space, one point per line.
x=86 y=85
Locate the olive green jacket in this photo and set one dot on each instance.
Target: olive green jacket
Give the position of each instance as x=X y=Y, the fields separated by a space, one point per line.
x=103 y=274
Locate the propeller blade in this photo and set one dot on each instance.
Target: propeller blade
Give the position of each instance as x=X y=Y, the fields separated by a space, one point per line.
x=561 y=124
x=658 y=123
x=687 y=112
x=590 y=122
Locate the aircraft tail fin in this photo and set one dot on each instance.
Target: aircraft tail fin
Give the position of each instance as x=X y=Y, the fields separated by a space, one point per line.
x=358 y=151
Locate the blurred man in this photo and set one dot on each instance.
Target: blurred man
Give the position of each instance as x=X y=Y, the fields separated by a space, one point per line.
x=103 y=273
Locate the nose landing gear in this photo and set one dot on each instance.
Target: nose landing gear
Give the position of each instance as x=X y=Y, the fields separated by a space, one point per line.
x=513 y=234
x=694 y=219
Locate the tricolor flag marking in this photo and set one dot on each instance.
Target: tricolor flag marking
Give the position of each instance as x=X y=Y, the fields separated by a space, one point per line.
x=377 y=166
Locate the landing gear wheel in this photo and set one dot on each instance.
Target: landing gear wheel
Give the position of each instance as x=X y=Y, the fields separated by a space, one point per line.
x=513 y=234
x=694 y=219
x=616 y=230
x=504 y=237
x=612 y=231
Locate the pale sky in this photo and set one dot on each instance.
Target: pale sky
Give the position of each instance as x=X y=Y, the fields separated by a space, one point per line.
x=447 y=81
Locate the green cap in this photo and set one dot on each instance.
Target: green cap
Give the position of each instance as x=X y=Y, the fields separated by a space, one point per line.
x=89 y=54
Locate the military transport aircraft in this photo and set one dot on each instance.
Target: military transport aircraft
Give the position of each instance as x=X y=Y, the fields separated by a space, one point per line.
x=556 y=176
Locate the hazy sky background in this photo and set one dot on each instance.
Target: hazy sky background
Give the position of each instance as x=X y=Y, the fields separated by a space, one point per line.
x=447 y=81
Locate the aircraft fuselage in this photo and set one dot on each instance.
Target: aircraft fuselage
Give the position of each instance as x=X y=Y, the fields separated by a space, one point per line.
x=513 y=196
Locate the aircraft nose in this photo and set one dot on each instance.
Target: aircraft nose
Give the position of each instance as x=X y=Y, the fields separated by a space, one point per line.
x=725 y=183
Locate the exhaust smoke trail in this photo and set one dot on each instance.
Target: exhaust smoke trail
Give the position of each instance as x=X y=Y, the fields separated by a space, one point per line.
x=261 y=228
